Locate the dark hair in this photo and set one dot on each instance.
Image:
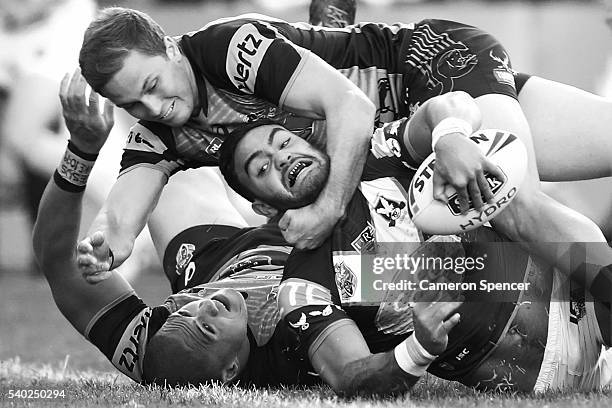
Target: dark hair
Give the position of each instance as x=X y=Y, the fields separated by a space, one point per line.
x=173 y=361
x=108 y=39
x=332 y=13
x=226 y=157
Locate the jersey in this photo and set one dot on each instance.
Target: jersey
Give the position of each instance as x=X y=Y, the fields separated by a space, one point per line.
x=250 y=261
x=314 y=302
x=256 y=60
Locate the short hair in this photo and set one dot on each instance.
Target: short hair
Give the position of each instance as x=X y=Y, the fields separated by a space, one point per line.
x=108 y=39
x=332 y=13
x=227 y=153
x=171 y=360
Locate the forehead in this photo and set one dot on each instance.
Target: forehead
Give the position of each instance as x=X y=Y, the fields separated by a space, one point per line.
x=127 y=84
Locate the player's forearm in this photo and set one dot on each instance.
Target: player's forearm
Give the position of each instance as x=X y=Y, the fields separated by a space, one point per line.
x=127 y=209
x=56 y=228
x=378 y=374
x=349 y=130
x=456 y=104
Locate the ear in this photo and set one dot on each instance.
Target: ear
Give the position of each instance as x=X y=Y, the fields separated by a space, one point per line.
x=231 y=371
x=172 y=49
x=264 y=209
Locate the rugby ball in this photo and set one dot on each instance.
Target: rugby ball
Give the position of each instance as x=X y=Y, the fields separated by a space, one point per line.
x=431 y=216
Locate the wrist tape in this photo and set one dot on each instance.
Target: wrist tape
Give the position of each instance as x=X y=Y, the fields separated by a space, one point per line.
x=448 y=126
x=412 y=357
x=72 y=173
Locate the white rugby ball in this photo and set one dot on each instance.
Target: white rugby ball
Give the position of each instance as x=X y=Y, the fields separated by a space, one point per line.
x=504 y=149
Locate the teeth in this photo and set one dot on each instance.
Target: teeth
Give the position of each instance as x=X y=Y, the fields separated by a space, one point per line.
x=295 y=171
x=169 y=111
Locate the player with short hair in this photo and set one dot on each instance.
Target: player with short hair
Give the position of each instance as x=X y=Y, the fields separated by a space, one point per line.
x=267 y=68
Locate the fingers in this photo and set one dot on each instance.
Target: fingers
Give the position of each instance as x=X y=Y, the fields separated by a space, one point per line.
x=485 y=188
x=76 y=91
x=439 y=188
x=475 y=194
x=109 y=112
x=463 y=197
x=494 y=170
x=451 y=322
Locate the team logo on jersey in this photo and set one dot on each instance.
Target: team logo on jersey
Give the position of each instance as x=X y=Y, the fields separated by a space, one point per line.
x=301 y=324
x=503 y=73
x=183 y=257
x=244 y=56
x=366 y=240
x=385 y=102
x=142 y=139
x=577 y=308
x=346 y=280
x=456 y=62
x=383 y=146
x=390 y=210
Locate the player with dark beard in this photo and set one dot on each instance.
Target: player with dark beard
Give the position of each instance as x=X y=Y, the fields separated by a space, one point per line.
x=501 y=342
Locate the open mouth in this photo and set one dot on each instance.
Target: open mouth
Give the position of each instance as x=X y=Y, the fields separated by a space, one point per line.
x=223 y=300
x=296 y=170
x=169 y=111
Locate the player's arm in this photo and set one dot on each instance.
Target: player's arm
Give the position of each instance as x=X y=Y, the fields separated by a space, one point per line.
x=57 y=225
x=122 y=217
x=130 y=201
x=343 y=360
x=443 y=124
x=318 y=88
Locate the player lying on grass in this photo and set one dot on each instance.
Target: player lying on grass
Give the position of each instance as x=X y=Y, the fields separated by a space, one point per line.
x=189 y=92
x=165 y=343
x=499 y=344
x=201 y=333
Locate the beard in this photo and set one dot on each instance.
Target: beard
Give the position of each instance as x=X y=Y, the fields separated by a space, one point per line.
x=309 y=189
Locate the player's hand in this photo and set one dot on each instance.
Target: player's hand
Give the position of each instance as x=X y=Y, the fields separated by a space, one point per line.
x=308 y=227
x=432 y=323
x=461 y=164
x=93 y=258
x=89 y=128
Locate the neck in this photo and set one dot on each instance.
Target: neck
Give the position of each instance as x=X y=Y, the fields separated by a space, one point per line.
x=193 y=85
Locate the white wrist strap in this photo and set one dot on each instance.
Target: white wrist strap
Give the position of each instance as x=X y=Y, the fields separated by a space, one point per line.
x=448 y=126
x=412 y=357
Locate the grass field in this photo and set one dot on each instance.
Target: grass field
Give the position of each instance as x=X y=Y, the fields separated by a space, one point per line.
x=39 y=350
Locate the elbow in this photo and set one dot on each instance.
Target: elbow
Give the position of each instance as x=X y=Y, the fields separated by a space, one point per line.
x=457 y=104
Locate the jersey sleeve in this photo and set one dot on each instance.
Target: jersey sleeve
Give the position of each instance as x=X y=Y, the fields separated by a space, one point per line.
x=251 y=56
x=389 y=155
x=150 y=145
x=121 y=331
x=308 y=299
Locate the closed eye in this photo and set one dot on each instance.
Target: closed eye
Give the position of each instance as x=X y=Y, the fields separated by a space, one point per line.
x=153 y=86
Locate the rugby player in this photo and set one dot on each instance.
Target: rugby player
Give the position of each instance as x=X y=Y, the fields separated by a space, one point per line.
x=188 y=102
x=164 y=343
x=503 y=341
x=225 y=330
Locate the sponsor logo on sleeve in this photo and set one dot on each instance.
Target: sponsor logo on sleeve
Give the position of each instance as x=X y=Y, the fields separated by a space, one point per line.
x=130 y=350
x=142 y=139
x=244 y=56
x=504 y=74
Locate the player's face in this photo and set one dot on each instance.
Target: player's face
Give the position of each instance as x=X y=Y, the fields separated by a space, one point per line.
x=154 y=88
x=282 y=169
x=216 y=324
